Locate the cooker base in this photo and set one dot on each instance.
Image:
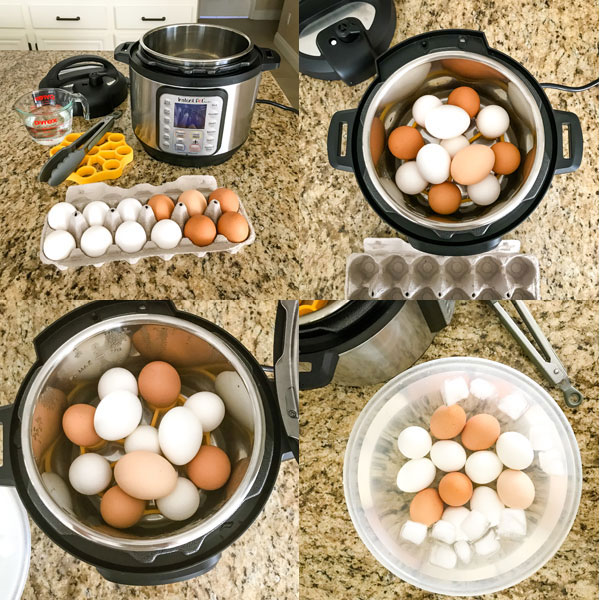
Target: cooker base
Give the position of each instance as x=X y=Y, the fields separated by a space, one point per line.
x=454 y=249
x=189 y=161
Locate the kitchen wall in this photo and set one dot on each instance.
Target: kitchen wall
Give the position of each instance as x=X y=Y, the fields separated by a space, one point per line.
x=268 y=9
x=286 y=38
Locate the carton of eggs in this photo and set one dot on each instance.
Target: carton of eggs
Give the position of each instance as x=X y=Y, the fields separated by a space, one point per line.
x=99 y=223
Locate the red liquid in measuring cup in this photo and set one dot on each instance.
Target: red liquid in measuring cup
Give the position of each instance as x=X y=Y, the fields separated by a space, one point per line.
x=48 y=123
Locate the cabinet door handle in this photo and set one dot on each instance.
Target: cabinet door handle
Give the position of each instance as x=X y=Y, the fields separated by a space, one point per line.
x=154 y=18
x=68 y=18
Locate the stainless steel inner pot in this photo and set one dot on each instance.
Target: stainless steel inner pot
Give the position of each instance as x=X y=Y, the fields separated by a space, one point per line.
x=71 y=375
x=195 y=44
x=438 y=74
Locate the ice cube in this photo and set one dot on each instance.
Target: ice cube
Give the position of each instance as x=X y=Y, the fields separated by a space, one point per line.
x=513 y=405
x=540 y=438
x=482 y=389
x=454 y=390
x=414 y=532
x=475 y=525
x=442 y=556
x=456 y=515
x=513 y=523
x=552 y=462
x=488 y=544
x=444 y=531
x=463 y=551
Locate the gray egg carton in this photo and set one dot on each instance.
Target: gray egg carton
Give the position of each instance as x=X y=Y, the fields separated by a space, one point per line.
x=81 y=195
x=391 y=269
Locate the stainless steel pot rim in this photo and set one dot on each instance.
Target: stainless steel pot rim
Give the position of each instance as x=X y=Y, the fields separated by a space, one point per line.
x=205 y=62
x=317 y=315
x=176 y=539
x=492 y=216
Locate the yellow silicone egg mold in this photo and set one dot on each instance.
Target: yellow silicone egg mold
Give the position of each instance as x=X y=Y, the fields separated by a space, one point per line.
x=106 y=160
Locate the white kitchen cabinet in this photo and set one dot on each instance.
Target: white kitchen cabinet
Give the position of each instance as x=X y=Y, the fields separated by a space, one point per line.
x=13 y=40
x=69 y=17
x=134 y=16
x=12 y=16
x=68 y=40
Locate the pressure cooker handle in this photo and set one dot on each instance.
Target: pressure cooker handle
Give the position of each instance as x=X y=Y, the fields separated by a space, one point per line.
x=122 y=52
x=6 y=474
x=322 y=370
x=270 y=59
x=340 y=157
x=569 y=162
x=63 y=329
x=81 y=60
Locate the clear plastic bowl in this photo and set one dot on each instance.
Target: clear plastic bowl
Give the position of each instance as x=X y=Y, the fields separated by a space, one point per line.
x=378 y=508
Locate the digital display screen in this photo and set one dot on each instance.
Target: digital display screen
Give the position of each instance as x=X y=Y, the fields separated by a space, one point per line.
x=190 y=116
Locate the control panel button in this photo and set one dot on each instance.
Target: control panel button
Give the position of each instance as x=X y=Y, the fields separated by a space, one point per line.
x=180 y=147
x=166 y=111
x=194 y=148
x=210 y=138
x=167 y=102
x=209 y=147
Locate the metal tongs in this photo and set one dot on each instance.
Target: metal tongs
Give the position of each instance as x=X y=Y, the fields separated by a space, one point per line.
x=545 y=358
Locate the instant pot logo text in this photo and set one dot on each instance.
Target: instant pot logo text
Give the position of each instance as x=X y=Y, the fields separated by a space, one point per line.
x=190 y=100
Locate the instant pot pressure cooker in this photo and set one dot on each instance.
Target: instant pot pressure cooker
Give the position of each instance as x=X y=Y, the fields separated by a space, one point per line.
x=436 y=63
x=366 y=342
x=341 y=40
x=72 y=354
x=193 y=90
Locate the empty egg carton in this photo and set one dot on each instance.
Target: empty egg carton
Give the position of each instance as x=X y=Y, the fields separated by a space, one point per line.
x=80 y=196
x=391 y=269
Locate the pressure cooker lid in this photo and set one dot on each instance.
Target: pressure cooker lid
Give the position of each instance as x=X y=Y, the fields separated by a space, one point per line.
x=196 y=45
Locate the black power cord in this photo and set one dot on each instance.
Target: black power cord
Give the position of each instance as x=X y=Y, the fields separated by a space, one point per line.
x=567 y=88
x=277 y=105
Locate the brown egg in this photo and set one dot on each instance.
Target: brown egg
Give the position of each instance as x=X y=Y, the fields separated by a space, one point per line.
x=78 y=425
x=508 y=158
x=480 y=432
x=405 y=142
x=162 y=206
x=200 y=230
x=145 y=475
x=471 y=69
x=233 y=226
x=377 y=139
x=466 y=98
x=444 y=198
x=121 y=510
x=159 y=384
x=447 y=422
x=455 y=489
x=227 y=198
x=194 y=201
x=515 y=489
x=210 y=468
x=426 y=507
x=472 y=164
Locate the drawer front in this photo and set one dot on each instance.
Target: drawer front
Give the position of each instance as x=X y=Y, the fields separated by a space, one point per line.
x=13 y=40
x=64 y=16
x=12 y=15
x=148 y=17
x=68 y=40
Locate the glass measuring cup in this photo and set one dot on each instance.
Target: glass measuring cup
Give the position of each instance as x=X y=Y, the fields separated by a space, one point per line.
x=48 y=113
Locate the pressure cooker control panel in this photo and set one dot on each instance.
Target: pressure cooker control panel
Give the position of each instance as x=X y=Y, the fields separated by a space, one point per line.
x=190 y=123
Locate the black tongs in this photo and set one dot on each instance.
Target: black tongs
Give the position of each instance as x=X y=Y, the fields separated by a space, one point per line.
x=545 y=358
x=65 y=161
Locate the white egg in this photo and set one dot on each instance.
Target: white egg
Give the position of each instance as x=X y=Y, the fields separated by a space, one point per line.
x=447 y=121
x=231 y=389
x=144 y=437
x=486 y=501
x=483 y=466
x=58 y=245
x=95 y=241
x=414 y=442
x=453 y=145
x=423 y=106
x=182 y=502
x=408 y=178
x=448 y=456
x=180 y=435
x=484 y=192
x=58 y=489
x=90 y=474
x=208 y=408
x=415 y=475
x=492 y=121
x=129 y=209
x=130 y=236
x=166 y=234
x=433 y=163
x=117 y=379
x=514 y=450
x=95 y=212
x=60 y=215
x=117 y=415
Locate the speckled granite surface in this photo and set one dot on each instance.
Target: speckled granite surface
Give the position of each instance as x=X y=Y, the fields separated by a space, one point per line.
x=263 y=172
x=556 y=41
x=262 y=564
x=334 y=561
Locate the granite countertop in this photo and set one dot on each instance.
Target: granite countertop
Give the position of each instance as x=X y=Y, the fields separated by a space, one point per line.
x=263 y=172
x=262 y=564
x=556 y=42
x=334 y=561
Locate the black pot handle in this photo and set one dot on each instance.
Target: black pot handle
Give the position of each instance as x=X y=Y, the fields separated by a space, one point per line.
x=6 y=473
x=572 y=161
x=323 y=366
x=337 y=160
x=122 y=52
x=270 y=59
